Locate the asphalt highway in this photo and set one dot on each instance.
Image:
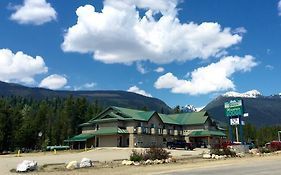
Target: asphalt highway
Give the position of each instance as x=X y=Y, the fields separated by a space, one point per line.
x=250 y=167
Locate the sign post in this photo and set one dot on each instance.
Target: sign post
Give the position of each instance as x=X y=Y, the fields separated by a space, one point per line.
x=234 y=110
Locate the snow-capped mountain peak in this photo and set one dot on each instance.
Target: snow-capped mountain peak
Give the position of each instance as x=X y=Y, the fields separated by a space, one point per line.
x=248 y=94
x=188 y=108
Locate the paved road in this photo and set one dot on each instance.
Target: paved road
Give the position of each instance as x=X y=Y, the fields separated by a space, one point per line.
x=270 y=166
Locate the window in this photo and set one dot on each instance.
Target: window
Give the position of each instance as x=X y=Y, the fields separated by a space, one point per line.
x=97 y=127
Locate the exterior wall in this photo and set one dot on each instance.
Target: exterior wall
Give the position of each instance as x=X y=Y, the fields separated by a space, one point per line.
x=109 y=124
x=143 y=140
x=84 y=131
x=108 y=141
x=155 y=121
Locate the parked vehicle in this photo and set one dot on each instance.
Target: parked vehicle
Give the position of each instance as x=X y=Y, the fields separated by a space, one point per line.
x=274 y=145
x=180 y=144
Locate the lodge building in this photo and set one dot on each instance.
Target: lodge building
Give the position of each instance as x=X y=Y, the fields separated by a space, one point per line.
x=123 y=127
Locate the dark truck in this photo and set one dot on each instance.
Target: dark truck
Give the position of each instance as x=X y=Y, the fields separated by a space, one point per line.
x=180 y=144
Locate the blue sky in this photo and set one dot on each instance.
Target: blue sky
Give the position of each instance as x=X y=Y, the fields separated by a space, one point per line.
x=183 y=52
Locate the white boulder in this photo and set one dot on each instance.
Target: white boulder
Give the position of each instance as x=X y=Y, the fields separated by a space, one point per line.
x=72 y=165
x=26 y=165
x=207 y=156
x=85 y=162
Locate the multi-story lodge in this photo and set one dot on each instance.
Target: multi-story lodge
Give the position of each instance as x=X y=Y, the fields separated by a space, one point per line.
x=122 y=127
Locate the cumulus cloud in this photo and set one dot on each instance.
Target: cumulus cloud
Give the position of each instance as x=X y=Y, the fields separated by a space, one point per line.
x=212 y=78
x=141 y=68
x=86 y=86
x=137 y=90
x=159 y=69
x=35 y=12
x=119 y=34
x=53 y=82
x=19 y=67
x=269 y=67
x=240 y=30
x=279 y=8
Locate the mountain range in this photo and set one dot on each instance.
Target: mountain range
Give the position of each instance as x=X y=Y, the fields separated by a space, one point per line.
x=104 y=98
x=263 y=110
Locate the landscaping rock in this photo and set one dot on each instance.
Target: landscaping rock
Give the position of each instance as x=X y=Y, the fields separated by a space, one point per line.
x=136 y=163
x=147 y=162
x=130 y=162
x=253 y=151
x=72 y=165
x=27 y=165
x=124 y=162
x=85 y=162
x=207 y=156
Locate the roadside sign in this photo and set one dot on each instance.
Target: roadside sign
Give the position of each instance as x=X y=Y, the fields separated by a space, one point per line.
x=234 y=121
x=233 y=108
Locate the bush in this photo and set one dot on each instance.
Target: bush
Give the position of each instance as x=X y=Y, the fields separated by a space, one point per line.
x=151 y=153
x=264 y=150
x=156 y=153
x=136 y=156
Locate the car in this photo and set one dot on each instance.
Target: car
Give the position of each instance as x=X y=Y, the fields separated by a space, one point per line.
x=180 y=144
x=274 y=145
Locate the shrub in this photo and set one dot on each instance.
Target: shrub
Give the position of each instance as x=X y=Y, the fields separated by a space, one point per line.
x=136 y=156
x=156 y=153
x=264 y=150
x=151 y=153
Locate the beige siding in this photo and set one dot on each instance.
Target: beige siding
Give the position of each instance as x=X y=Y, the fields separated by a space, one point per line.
x=111 y=124
x=108 y=141
x=88 y=131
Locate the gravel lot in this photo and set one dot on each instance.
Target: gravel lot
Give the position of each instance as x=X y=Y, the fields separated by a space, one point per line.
x=9 y=162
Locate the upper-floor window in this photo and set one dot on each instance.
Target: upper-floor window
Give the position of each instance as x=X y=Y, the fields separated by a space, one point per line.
x=152 y=125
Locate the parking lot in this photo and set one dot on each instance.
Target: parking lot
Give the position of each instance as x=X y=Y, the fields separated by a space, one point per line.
x=9 y=162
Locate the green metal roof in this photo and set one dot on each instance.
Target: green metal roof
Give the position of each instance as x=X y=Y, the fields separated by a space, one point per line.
x=81 y=137
x=206 y=133
x=135 y=114
x=110 y=131
x=103 y=131
x=194 y=118
x=113 y=113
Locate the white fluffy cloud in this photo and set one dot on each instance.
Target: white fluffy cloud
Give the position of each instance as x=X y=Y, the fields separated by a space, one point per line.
x=212 y=78
x=19 y=67
x=279 y=8
x=86 y=86
x=159 y=69
x=119 y=34
x=53 y=82
x=137 y=90
x=141 y=68
x=35 y=12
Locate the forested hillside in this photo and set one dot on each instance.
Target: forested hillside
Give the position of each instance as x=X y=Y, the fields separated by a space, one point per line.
x=21 y=121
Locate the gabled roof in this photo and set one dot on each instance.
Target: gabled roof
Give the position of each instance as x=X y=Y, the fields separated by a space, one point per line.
x=207 y=133
x=194 y=118
x=113 y=113
x=81 y=137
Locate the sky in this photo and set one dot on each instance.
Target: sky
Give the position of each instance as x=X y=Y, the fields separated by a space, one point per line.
x=180 y=51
